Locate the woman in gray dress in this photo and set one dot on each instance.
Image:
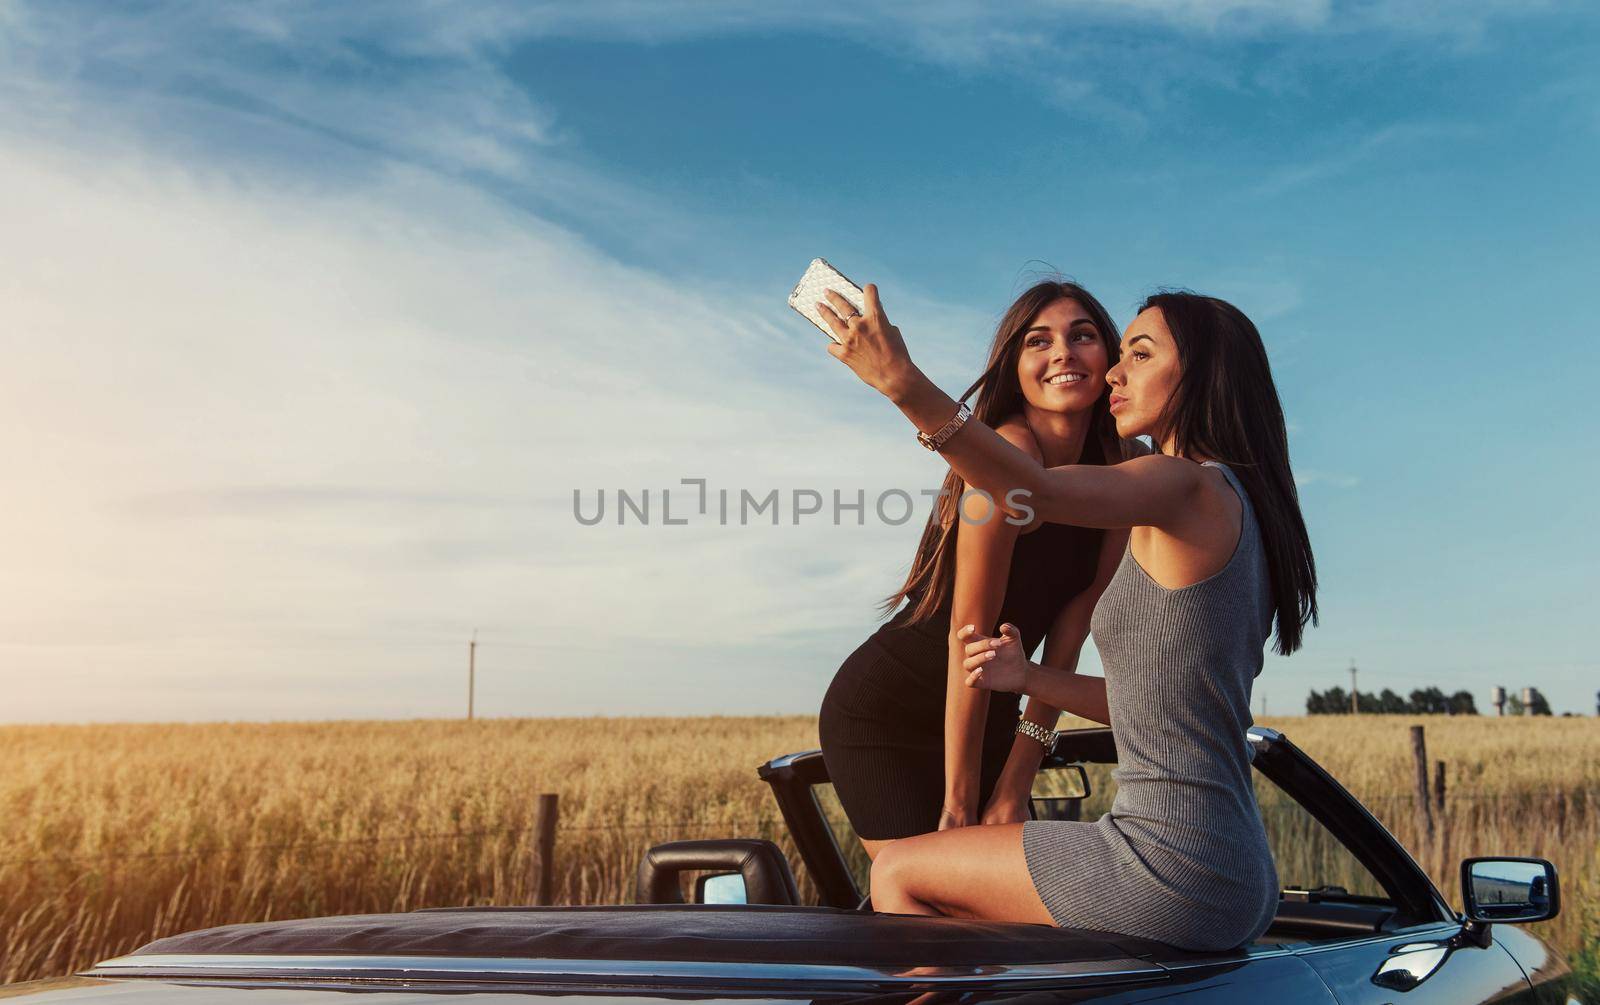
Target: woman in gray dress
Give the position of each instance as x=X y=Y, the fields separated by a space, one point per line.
x=1217 y=555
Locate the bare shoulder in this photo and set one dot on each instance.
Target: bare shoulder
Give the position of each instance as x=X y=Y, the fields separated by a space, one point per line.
x=1220 y=490
x=1020 y=436
x=1175 y=478
x=1212 y=503
x=1163 y=464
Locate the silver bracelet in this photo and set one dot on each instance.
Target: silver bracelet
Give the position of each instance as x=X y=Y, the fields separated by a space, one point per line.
x=937 y=440
x=1034 y=731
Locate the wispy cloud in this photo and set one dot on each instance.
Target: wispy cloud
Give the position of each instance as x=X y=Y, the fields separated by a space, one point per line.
x=257 y=414
x=287 y=500
x=1306 y=477
x=429 y=80
x=1396 y=140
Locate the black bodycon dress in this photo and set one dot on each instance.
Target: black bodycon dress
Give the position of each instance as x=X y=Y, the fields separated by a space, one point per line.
x=882 y=723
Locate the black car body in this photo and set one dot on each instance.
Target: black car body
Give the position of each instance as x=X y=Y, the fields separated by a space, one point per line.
x=1396 y=941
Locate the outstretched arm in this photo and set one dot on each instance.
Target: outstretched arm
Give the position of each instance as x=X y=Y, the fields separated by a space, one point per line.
x=1153 y=491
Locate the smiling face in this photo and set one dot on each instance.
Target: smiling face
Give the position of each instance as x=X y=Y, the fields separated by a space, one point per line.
x=1143 y=382
x=1061 y=364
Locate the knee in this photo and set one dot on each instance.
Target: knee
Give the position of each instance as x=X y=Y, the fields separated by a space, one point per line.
x=889 y=892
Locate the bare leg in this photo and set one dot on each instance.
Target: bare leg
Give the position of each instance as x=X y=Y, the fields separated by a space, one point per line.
x=969 y=872
x=873 y=847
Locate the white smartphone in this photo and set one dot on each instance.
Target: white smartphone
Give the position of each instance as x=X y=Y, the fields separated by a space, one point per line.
x=819 y=278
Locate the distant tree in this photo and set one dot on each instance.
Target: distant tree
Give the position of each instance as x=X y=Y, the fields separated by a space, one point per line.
x=1514 y=705
x=1539 y=706
x=1423 y=701
x=1429 y=701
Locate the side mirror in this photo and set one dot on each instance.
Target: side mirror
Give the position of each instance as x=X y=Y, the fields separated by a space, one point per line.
x=1058 y=793
x=720 y=888
x=1510 y=889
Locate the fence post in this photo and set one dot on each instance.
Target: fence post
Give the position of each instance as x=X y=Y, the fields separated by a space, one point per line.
x=1440 y=817
x=1419 y=753
x=545 y=846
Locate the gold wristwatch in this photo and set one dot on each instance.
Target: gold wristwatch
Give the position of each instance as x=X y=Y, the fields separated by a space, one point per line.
x=1034 y=731
x=944 y=432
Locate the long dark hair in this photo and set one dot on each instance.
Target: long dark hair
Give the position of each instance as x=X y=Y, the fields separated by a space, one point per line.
x=1226 y=408
x=933 y=570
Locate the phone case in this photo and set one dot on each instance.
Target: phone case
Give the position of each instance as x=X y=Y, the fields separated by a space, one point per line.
x=819 y=278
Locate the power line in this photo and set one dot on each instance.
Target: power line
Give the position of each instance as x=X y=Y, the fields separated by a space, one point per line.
x=472 y=672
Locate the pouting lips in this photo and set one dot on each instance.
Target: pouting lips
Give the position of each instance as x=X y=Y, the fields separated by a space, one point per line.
x=1066 y=378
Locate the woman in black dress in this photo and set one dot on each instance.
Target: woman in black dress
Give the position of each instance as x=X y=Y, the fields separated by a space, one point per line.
x=909 y=747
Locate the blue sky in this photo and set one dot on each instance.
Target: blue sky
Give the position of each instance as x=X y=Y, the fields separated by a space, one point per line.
x=317 y=316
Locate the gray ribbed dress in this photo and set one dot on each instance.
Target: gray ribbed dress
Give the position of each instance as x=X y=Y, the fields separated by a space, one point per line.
x=1182 y=857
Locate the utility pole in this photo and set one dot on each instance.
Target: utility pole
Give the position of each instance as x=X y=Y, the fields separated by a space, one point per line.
x=472 y=672
x=1263 y=704
x=1355 y=706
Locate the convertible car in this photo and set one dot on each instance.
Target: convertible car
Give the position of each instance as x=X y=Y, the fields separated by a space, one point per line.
x=1358 y=922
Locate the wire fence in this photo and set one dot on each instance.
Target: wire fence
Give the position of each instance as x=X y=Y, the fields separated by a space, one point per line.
x=411 y=838
x=1579 y=800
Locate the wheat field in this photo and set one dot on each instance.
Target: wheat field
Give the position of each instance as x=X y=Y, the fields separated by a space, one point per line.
x=111 y=836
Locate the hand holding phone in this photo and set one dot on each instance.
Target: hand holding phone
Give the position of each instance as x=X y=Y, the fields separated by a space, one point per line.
x=819 y=278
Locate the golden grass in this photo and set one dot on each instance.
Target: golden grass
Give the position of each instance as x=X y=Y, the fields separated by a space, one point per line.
x=1522 y=786
x=114 y=835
